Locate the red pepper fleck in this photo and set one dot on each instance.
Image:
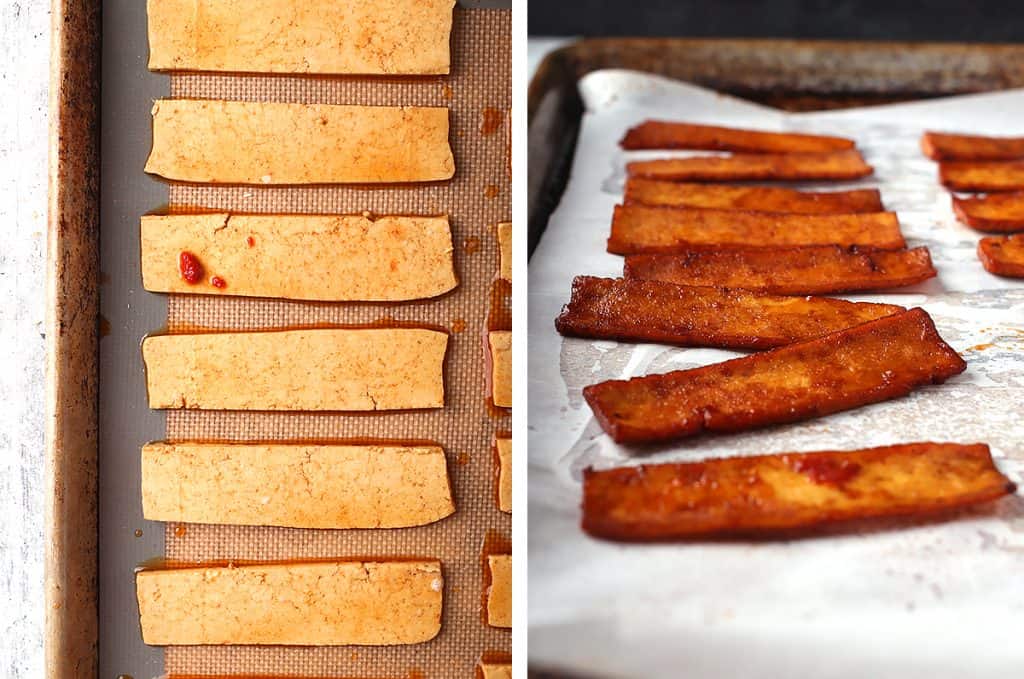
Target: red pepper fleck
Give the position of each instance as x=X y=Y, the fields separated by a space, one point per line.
x=190 y=267
x=251 y=241
x=218 y=282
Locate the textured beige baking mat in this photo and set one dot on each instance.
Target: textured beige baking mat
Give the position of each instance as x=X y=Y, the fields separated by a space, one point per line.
x=478 y=92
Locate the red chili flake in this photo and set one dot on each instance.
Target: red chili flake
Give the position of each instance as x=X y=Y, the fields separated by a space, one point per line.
x=251 y=241
x=218 y=282
x=190 y=267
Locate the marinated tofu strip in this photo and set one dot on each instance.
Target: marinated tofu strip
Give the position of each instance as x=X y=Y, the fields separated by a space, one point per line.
x=773 y=495
x=635 y=310
x=505 y=250
x=872 y=362
x=356 y=37
x=941 y=146
x=499 y=595
x=1003 y=255
x=755 y=167
x=504 y=448
x=759 y=198
x=315 y=369
x=326 y=603
x=970 y=175
x=237 y=142
x=496 y=670
x=658 y=134
x=995 y=213
x=499 y=343
x=295 y=485
x=639 y=229
x=313 y=257
x=788 y=271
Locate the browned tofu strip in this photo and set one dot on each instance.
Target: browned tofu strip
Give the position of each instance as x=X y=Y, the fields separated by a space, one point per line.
x=995 y=213
x=638 y=229
x=970 y=175
x=652 y=311
x=941 y=146
x=755 y=167
x=774 y=495
x=760 y=198
x=788 y=271
x=1003 y=255
x=658 y=134
x=873 y=362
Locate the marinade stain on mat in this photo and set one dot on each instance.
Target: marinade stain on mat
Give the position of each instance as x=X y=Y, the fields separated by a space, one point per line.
x=480 y=79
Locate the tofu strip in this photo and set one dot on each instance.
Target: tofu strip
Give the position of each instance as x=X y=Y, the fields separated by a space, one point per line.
x=328 y=603
x=638 y=229
x=312 y=257
x=876 y=361
x=979 y=175
x=315 y=369
x=237 y=142
x=357 y=37
x=814 y=270
x=504 y=449
x=995 y=213
x=778 y=495
x=635 y=310
x=940 y=146
x=1003 y=255
x=499 y=595
x=295 y=485
x=657 y=134
x=755 y=167
x=759 y=198
x=499 y=344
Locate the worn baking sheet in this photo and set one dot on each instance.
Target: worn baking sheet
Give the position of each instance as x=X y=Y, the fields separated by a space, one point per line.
x=925 y=600
x=128 y=313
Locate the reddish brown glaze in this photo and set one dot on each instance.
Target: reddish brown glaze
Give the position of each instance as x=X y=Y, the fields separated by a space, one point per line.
x=872 y=362
x=772 y=495
x=760 y=198
x=995 y=213
x=653 y=311
x=657 y=134
x=640 y=229
x=982 y=175
x=755 y=167
x=788 y=271
x=941 y=146
x=190 y=267
x=1003 y=255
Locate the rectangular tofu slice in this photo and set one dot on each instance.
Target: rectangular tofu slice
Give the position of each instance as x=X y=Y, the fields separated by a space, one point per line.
x=504 y=447
x=777 y=495
x=499 y=343
x=640 y=229
x=311 y=257
x=876 y=361
x=994 y=213
x=505 y=250
x=941 y=146
x=499 y=594
x=755 y=167
x=635 y=310
x=295 y=485
x=237 y=142
x=496 y=670
x=660 y=134
x=337 y=369
x=982 y=175
x=1003 y=255
x=788 y=271
x=759 y=198
x=326 y=603
x=358 y=37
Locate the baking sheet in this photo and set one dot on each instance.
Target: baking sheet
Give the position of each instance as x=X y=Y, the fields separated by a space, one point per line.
x=938 y=600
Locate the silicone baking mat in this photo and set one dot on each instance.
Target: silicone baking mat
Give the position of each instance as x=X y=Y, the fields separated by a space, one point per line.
x=478 y=93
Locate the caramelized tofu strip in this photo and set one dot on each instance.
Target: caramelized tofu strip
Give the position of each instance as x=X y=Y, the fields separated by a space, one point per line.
x=755 y=167
x=872 y=362
x=996 y=213
x=638 y=229
x=1003 y=255
x=653 y=311
x=970 y=175
x=940 y=146
x=657 y=134
x=771 y=495
x=762 y=198
x=788 y=271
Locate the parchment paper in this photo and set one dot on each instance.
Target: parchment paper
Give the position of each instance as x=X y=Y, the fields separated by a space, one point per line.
x=926 y=600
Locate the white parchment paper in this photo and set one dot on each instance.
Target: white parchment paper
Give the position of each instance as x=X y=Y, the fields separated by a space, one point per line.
x=928 y=600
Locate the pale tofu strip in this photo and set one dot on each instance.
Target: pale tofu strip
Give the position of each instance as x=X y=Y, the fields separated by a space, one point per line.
x=505 y=248
x=298 y=486
x=236 y=142
x=496 y=670
x=499 y=596
x=330 y=603
x=362 y=37
x=500 y=344
x=314 y=369
x=311 y=257
x=504 y=446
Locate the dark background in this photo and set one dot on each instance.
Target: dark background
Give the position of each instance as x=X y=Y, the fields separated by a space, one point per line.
x=941 y=20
